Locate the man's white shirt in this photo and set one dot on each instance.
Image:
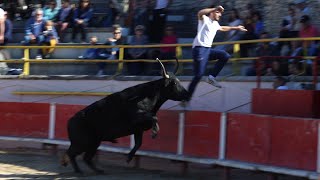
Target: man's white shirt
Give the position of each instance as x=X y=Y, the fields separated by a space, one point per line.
x=206 y=32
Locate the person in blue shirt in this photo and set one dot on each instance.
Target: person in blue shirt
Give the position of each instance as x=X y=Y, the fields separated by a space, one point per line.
x=81 y=17
x=40 y=32
x=91 y=53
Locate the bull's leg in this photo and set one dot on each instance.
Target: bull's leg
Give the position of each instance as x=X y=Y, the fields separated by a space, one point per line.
x=73 y=152
x=137 y=144
x=88 y=156
x=155 y=127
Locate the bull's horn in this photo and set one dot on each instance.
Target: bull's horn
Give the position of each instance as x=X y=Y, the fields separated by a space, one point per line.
x=177 y=67
x=163 y=69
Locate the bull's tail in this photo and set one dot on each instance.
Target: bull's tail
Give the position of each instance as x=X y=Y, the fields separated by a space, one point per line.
x=64 y=161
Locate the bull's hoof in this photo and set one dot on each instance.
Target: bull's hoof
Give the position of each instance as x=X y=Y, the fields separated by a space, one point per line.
x=154 y=135
x=129 y=160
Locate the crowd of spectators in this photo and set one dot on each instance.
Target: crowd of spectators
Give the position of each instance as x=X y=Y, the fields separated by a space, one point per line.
x=47 y=23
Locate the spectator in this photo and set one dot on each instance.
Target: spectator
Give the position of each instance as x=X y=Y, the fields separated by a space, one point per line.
x=308 y=47
x=233 y=35
x=39 y=32
x=82 y=16
x=169 y=38
x=5 y=28
x=280 y=83
x=111 y=53
x=140 y=15
x=64 y=18
x=263 y=49
x=137 y=68
x=159 y=17
x=288 y=30
x=91 y=53
x=50 y=12
x=303 y=8
x=258 y=23
x=113 y=14
x=50 y=38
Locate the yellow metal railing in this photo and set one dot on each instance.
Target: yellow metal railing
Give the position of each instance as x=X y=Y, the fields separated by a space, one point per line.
x=26 y=59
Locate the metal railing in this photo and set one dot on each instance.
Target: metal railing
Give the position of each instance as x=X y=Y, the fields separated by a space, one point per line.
x=26 y=60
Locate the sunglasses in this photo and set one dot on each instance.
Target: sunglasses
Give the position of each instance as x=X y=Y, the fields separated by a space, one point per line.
x=117 y=33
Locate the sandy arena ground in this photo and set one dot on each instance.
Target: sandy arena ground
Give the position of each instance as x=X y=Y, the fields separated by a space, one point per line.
x=29 y=161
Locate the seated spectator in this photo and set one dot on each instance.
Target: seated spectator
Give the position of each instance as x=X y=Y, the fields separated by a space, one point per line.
x=168 y=38
x=258 y=23
x=50 y=12
x=111 y=53
x=309 y=47
x=137 y=68
x=263 y=49
x=277 y=68
x=50 y=39
x=233 y=35
x=280 y=83
x=81 y=17
x=40 y=32
x=91 y=53
x=64 y=18
x=112 y=15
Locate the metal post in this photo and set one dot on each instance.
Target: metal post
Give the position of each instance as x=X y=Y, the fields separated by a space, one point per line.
x=52 y=121
x=26 y=66
x=258 y=72
x=181 y=134
x=223 y=136
x=315 y=72
x=120 y=63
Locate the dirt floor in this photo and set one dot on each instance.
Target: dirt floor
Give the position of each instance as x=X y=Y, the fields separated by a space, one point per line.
x=30 y=161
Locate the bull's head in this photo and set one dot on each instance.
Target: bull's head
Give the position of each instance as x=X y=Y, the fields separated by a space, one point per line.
x=173 y=89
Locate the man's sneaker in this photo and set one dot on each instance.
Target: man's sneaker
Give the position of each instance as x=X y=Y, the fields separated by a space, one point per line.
x=212 y=80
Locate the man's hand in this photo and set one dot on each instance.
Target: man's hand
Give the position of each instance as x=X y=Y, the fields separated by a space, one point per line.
x=1 y=39
x=241 y=28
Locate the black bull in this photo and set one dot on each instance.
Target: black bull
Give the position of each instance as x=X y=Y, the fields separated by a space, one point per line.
x=131 y=111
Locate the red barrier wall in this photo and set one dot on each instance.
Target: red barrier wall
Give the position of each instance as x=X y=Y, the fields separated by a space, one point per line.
x=296 y=103
x=202 y=133
x=167 y=139
x=288 y=142
x=24 y=119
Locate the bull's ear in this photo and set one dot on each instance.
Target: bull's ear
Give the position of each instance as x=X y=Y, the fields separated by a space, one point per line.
x=164 y=72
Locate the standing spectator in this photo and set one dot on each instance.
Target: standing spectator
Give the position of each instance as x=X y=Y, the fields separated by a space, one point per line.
x=169 y=38
x=113 y=14
x=303 y=8
x=5 y=28
x=64 y=18
x=82 y=16
x=111 y=53
x=39 y=32
x=50 y=12
x=137 y=68
x=159 y=17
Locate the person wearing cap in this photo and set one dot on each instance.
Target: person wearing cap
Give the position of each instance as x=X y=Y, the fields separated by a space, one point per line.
x=303 y=8
x=139 y=38
x=208 y=26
